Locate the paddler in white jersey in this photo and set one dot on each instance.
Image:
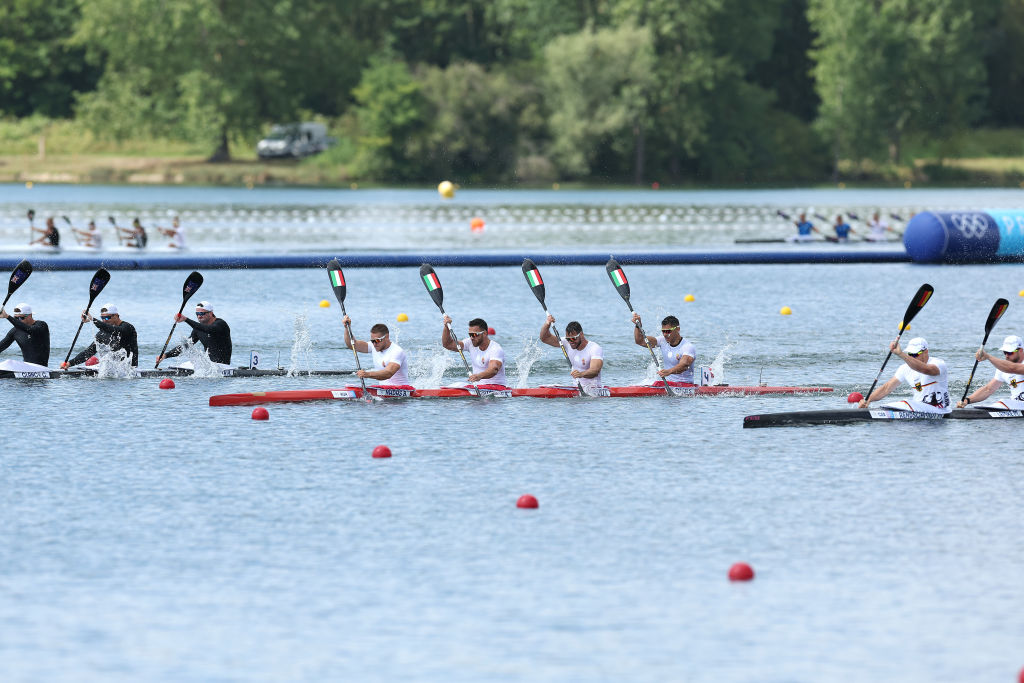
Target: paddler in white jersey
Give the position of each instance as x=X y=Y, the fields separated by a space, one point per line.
x=925 y=374
x=390 y=366
x=677 y=353
x=487 y=358
x=585 y=356
x=1009 y=370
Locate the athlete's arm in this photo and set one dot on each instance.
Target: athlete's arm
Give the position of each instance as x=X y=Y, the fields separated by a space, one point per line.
x=492 y=369
x=880 y=393
x=982 y=393
x=592 y=372
x=387 y=372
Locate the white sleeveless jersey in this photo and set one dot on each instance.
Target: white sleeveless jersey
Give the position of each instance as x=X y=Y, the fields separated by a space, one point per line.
x=1014 y=381
x=581 y=361
x=393 y=354
x=671 y=356
x=479 y=360
x=930 y=389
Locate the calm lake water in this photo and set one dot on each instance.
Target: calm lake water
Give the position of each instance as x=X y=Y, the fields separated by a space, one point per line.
x=147 y=536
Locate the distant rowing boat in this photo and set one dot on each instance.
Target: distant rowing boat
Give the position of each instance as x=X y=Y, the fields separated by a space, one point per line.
x=836 y=417
x=355 y=393
x=169 y=372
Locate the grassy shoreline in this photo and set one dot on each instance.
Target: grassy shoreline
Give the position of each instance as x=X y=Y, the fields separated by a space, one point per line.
x=112 y=169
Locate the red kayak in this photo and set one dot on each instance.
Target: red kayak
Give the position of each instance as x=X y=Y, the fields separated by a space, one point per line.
x=351 y=393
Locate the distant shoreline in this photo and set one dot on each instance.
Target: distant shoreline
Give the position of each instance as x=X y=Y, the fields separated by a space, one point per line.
x=105 y=169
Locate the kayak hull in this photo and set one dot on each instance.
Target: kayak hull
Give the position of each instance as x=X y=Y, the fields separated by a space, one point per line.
x=830 y=417
x=351 y=393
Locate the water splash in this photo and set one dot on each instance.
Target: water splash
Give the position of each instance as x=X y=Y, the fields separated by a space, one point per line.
x=302 y=347
x=430 y=374
x=718 y=364
x=113 y=364
x=530 y=354
x=196 y=354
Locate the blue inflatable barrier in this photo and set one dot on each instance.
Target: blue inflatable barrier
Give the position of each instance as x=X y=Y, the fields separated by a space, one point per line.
x=965 y=236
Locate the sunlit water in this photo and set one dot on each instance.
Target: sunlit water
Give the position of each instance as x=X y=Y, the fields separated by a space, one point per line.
x=147 y=536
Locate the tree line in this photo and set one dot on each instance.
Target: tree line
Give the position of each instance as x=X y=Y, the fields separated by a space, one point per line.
x=506 y=90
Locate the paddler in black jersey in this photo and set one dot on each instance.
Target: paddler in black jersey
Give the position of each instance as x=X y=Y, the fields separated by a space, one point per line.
x=50 y=235
x=113 y=333
x=33 y=336
x=212 y=332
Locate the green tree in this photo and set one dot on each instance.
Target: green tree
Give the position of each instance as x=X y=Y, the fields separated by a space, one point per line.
x=888 y=69
x=208 y=69
x=475 y=127
x=40 y=72
x=392 y=115
x=597 y=86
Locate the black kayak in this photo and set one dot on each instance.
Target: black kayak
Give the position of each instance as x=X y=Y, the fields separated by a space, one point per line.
x=838 y=417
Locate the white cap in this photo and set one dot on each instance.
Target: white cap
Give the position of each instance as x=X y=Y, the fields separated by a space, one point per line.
x=1012 y=343
x=204 y=306
x=917 y=345
x=109 y=309
x=23 y=309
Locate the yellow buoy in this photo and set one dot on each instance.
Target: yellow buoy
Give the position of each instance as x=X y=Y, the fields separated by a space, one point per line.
x=1020 y=293
x=29 y=184
x=324 y=303
x=446 y=189
x=555 y=186
x=786 y=310
x=689 y=297
x=402 y=318
x=353 y=186
x=901 y=328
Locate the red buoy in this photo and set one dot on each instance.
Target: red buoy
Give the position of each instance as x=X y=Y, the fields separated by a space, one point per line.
x=491 y=332
x=741 y=571
x=1020 y=676
x=855 y=397
x=260 y=413
x=382 y=451
x=527 y=501
x=167 y=383
x=93 y=360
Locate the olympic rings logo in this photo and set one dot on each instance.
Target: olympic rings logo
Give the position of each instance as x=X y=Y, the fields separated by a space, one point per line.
x=970 y=225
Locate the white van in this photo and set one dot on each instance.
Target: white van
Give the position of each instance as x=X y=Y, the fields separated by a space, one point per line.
x=294 y=140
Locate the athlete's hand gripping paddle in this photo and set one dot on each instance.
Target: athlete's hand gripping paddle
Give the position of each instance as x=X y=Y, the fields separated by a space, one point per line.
x=618 y=279
x=117 y=231
x=99 y=281
x=916 y=304
x=18 y=277
x=192 y=284
x=338 y=284
x=536 y=283
x=998 y=308
x=433 y=286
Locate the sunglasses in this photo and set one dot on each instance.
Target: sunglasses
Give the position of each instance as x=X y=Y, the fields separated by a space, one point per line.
x=202 y=314
x=669 y=330
x=1010 y=353
x=106 y=317
x=21 y=317
x=915 y=355
x=568 y=338
x=476 y=334
x=378 y=339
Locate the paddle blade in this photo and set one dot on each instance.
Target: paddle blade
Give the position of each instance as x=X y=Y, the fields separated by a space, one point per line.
x=916 y=304
x=337 y=280
x=534 y=279
x=99 y=281
x=618 y=278
x=432 y=284
x=998 y=308
x=31 y=214
x=192 y=284
x=66 y=220
x=112 y=221
x=18 y=276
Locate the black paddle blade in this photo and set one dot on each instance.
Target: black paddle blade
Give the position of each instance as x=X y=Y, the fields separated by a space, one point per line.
x=192 y=283
x=432 y=284
x=337 y=280
x=99 y=281
x=782 y=213
x=18 y=276
x=66 y=220
x=998 y=308
x=112 y=221
x=916 y=304
x=534 y=279
x=618 y=278
x=31 y=214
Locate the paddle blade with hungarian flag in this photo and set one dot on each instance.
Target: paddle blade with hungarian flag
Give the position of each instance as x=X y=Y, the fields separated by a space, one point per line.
x=337 y=279
x=432 y=284
x=534 y=279
x=618 y=278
